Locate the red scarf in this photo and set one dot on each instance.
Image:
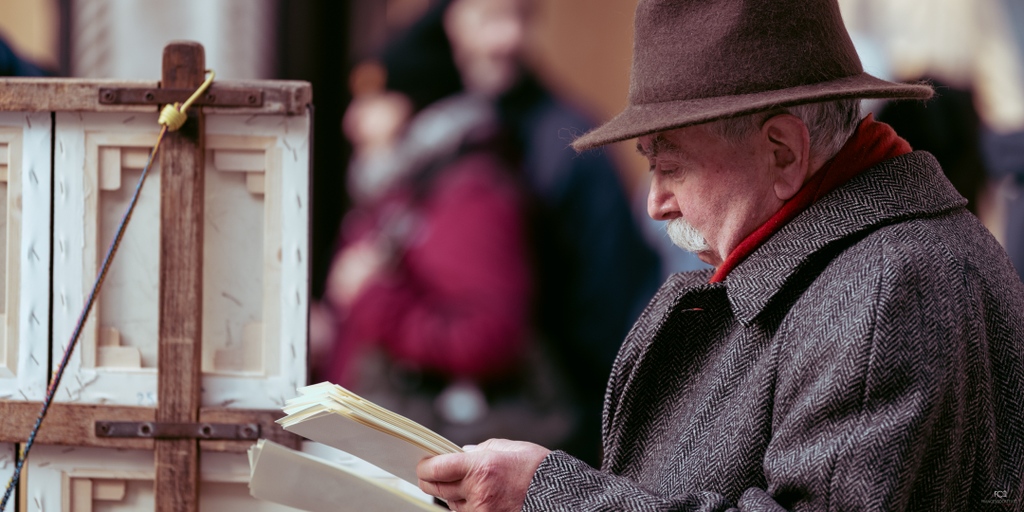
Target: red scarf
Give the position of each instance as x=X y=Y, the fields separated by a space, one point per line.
x=872 y=143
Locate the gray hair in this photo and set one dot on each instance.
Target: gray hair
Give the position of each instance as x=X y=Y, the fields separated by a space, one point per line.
x=829 y=124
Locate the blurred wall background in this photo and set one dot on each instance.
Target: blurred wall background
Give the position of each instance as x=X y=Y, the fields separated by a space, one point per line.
x=32 y=29
x=581 y=48
x=125 y=38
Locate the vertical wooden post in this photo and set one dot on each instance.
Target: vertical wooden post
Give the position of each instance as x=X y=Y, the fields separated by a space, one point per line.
x=181 y=286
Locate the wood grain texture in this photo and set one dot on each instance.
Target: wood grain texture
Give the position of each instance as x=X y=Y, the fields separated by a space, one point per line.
x=74 y=425
x=289 y=97
x=179 y=391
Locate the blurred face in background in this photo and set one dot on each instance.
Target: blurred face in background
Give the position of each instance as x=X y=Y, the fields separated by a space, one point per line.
x=374 y=121
x=488 y=38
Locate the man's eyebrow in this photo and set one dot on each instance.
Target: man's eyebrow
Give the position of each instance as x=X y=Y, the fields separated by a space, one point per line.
x=659 y=144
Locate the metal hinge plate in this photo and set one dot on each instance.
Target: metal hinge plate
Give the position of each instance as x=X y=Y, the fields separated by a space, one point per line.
x=215 y=97
x=166 y=430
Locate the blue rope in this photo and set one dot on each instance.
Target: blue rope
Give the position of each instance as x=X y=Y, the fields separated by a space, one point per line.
x=52 y=388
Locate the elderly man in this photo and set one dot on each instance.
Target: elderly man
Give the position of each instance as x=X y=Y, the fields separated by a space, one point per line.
x=858 y=345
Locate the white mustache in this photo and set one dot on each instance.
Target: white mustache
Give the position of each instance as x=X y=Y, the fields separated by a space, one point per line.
x=685 y=236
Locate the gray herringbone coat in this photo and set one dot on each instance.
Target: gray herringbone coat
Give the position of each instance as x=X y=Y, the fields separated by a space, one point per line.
x=869 y=356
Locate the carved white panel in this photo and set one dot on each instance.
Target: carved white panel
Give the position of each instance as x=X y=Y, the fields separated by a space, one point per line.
x=66 y=479
x=96 y=167
x=10 y=156
x=24 y=254
x=123 y=329
x=255 y=270
x=241 y=239
x=272 y=319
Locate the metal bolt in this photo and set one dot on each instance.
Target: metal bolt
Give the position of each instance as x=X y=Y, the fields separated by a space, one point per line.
x=146 y=429
x=149 y=96
x=249 y=431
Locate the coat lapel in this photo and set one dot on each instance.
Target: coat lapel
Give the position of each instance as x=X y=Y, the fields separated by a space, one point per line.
x=675 y=322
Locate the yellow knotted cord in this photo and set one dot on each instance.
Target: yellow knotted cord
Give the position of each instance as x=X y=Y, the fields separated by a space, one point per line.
x=174 y=118
x=171 y=119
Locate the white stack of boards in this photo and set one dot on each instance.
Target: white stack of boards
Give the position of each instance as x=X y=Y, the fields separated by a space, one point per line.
x=306 y=482
x=69 y=165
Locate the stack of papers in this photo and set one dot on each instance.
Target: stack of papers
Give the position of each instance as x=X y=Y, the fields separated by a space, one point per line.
x=330 y=414
x=306 y=482
x=336 y=417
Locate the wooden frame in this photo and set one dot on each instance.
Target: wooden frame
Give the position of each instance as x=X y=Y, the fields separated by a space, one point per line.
x=75 y=425
x=280 y=97
x=179 y=383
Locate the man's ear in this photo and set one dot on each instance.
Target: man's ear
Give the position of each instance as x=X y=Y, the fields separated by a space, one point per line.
x=789 y=146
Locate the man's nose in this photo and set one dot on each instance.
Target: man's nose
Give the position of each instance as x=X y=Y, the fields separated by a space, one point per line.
x=661 y=203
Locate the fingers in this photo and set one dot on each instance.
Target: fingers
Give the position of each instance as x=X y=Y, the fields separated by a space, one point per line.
x=444 y=476
x=443 y=468
x=449 y=492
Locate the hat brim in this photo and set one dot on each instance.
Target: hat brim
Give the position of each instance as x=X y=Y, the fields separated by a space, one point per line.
x=640 y=120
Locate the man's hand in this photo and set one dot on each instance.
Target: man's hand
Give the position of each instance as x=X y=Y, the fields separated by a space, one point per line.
x=492 y=476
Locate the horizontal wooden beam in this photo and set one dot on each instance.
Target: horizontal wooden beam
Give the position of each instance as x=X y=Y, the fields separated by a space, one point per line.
x=75 y=425
x=289 y=97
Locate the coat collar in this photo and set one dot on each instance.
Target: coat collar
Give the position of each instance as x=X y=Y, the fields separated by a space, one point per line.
x=904 y=187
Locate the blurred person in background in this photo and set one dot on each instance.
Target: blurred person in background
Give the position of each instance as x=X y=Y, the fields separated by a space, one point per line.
x=457 y=74
x=973 y=51
x=595 y=270
x=948 y=127
x=1003 y=149
x=1004 y=157
x=13 y=65
x=431 y=286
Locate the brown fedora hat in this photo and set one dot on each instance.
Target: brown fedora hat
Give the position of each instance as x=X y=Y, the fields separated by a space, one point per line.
x=696 y=61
